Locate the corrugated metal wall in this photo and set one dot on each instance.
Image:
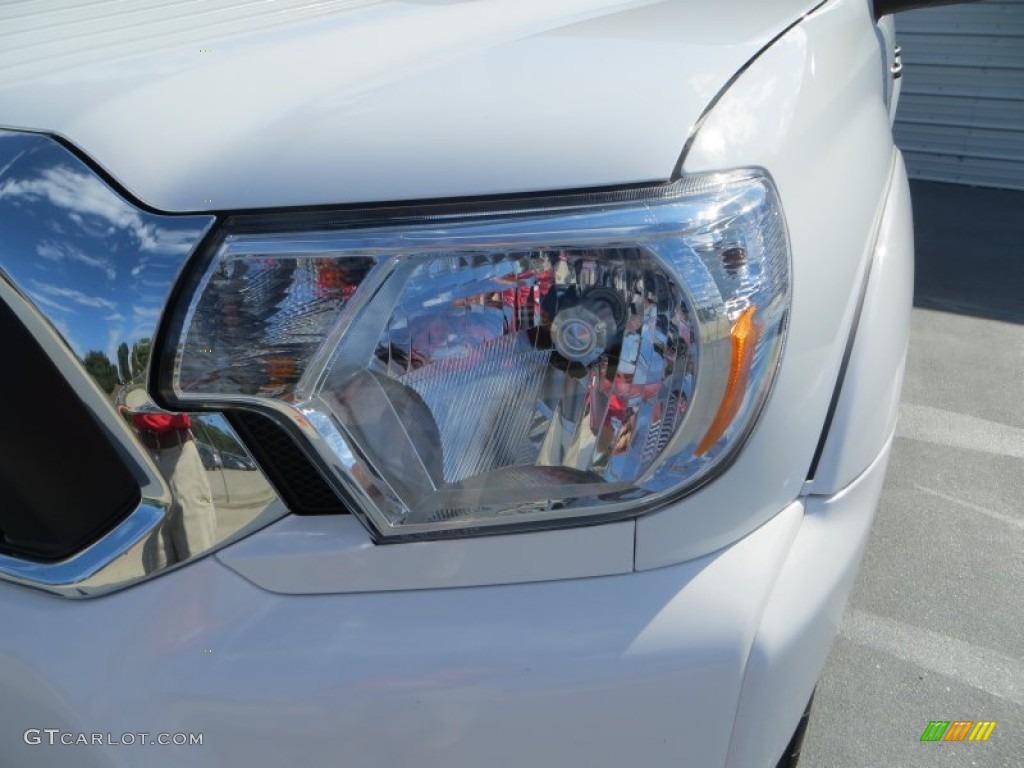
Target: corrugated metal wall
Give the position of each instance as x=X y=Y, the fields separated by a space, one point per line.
x=961 y=110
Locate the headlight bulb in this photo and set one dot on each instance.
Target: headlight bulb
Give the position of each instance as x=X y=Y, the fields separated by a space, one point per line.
x=584 y=332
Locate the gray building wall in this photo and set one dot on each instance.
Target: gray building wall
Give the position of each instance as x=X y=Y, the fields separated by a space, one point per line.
x=961 y=112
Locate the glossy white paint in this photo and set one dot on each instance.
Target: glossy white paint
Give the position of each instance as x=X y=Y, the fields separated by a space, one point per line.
x=577 y=672
x=311 y=555
x=802 y=616
x=677 y=664
x=639 y=669
x=348 y=101
x=865 y=415
x=811 y=110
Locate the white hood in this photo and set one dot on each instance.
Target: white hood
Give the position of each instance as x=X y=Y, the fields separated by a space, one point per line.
x=218 y=104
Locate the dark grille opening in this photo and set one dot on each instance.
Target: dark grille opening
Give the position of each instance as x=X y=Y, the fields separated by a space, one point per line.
x=62 y=482
x=296 y=480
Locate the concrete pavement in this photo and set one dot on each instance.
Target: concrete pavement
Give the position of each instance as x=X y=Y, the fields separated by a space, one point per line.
x=935 y=627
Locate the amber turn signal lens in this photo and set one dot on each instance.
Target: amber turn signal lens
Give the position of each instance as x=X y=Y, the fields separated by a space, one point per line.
x=745 y=333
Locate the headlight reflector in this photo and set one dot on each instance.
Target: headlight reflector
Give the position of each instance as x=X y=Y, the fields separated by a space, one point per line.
x=460 y=371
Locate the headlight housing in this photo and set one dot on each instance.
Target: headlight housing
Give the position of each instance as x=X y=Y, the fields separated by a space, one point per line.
x=568 y=360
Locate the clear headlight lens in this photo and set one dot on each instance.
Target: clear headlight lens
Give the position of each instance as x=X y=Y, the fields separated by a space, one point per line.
x=534 y=367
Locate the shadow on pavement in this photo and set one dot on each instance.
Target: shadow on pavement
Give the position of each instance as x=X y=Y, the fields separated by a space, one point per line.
x=969 y=244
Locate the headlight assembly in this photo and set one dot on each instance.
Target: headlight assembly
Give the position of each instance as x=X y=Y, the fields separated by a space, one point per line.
x=454 y=371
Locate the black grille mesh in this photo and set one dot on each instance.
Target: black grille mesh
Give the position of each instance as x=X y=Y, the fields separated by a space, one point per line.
x=297 y=481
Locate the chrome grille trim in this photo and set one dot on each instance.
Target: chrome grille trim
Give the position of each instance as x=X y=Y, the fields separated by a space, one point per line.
x=89 y=273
